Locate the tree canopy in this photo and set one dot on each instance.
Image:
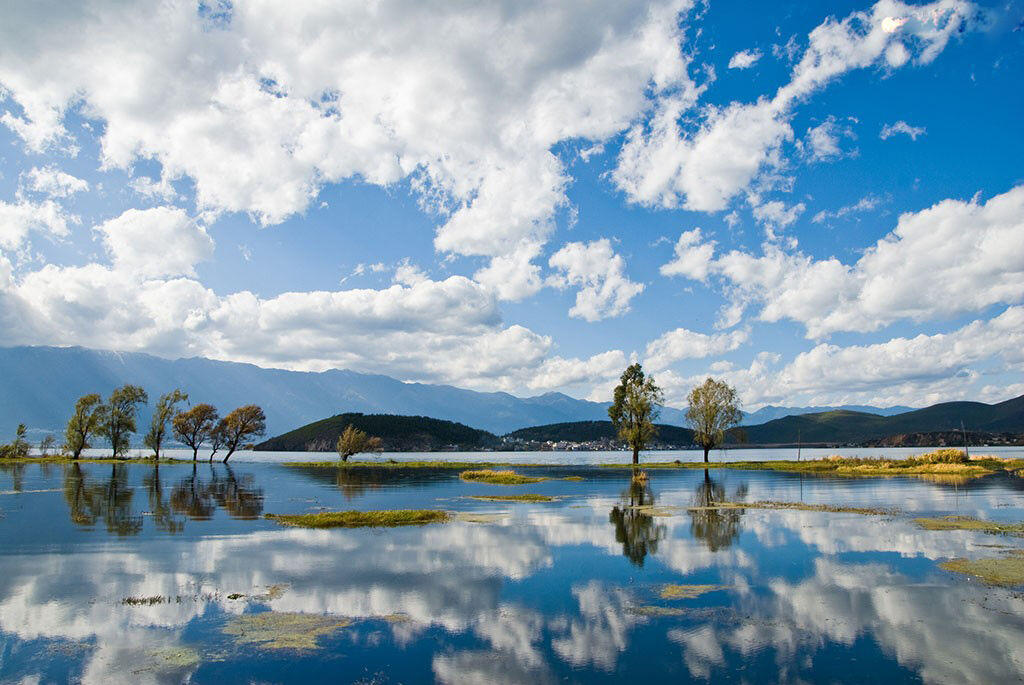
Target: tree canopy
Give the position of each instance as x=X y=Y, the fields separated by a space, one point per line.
x=166 y=407
x=193 y=426
x=714 y=409
x=635 y=405
x=241 y=424
x=353 y=441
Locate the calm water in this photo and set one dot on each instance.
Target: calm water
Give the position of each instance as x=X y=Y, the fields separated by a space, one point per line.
x=129 y=574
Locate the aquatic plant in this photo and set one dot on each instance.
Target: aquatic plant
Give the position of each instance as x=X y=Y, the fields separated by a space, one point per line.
x=508 y=477
x=1005 y=570
x=687 y=591
x=362 y=519
x=513 y=498
x=969 y=523
x=273 y=630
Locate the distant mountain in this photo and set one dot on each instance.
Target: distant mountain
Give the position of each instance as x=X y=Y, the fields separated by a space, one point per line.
x=596 y=431
x=858 y=427
x=770 y=412
x=39 y=385
x=397 y=434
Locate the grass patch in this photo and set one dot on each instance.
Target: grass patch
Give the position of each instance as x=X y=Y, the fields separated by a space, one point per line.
x=573 y=478
x=58 y=459
x=654 y=611
x=145 y=601
x=800 y=506
x=471 y=517
x=1005 y=570
x=687 y=591
x=171 y=658
x=969 y=523
x=492 y=477
x=394 y=464
x=272 y=630
x=362 y=519
x=513 y=498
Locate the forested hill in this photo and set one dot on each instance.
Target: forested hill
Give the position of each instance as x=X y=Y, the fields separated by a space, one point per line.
x=397 y=434
x=858 y=427
x=595 y=431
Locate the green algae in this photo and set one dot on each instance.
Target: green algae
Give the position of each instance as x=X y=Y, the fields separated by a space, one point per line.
x=671 y=591
x=492 y=477
x=385 y=518
x=273 y=630
x=970 y=523
x=513 y=498
x=1004 y=570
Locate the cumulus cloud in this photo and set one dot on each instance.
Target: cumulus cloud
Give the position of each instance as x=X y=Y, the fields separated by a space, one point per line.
x=865 y=204
x=682 y=343
x=600 y=274
x=918 y=272
x=53 y=182
x=901 y=127
x=19 y=218
x=744 y=59
x=263 y=106
x=704 y=167
x=162 y=241
x=693 y=257
x=916 y=371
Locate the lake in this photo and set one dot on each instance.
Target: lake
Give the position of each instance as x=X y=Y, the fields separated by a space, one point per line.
x=126 y=573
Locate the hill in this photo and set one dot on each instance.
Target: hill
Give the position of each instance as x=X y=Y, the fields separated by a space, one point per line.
x=40 y=386
x=397 y=434
x=848 y=427
x=594 y=431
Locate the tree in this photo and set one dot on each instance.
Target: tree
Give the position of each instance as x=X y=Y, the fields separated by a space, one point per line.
x=17 y=449
x=193 y=426
x=118 y=418
x=166 y=407
x=714 y=409
x=218 y=437
x=635 y=406
x=241 y=424
x=353 y=441
x=84 y=422
x=46 y=445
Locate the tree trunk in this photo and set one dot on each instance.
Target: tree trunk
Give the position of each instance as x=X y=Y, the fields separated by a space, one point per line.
x=195 y=453
x=706 y=450
x=228 y=455
x=636 y=455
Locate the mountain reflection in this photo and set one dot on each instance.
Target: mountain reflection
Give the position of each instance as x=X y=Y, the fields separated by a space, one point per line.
x=93 y=499
x=716 y=527
x=635 y=529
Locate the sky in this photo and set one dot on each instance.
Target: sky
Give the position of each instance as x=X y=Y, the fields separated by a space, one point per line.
x=820 y=203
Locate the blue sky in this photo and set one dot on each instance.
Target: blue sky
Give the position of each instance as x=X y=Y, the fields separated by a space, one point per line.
x=820 y=203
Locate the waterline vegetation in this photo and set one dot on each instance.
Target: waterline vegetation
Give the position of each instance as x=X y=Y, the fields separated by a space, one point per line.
x=507 y=477
x=388 y=518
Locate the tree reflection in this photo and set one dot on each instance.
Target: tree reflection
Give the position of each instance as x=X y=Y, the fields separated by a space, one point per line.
x=17 y=473
x=91 y=499
x=635 y=529
x=715 y=525
x=159 y=508
x=109 y=501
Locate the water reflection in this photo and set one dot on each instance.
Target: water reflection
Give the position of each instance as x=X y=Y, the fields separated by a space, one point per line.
x=635 y=529
x=109 y=500
x=716 y=527
x=198 y=498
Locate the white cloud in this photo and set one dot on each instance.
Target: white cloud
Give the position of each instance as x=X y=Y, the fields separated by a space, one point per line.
x=952 y=258
x=917 y=371
x=693 y=257
x=823 y=142
x=18 y=219
x=903 y=127
x=682 y=343
x=262 y=109
x=605 y=290
x=54 y=182
x=744 y=59
x=703 y=168
x=865 y=204
x=157 y=242
x=776 y=214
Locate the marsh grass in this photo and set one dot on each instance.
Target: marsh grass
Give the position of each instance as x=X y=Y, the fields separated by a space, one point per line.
x=492 y=477
x=969 y=523
x=513 y=498
x=362 y=519
x=273 y=630
x=654 y=611
x=1005 y=570
x=687 y=591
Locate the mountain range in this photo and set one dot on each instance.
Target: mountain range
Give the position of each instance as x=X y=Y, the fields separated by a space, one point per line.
x=39 y=386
